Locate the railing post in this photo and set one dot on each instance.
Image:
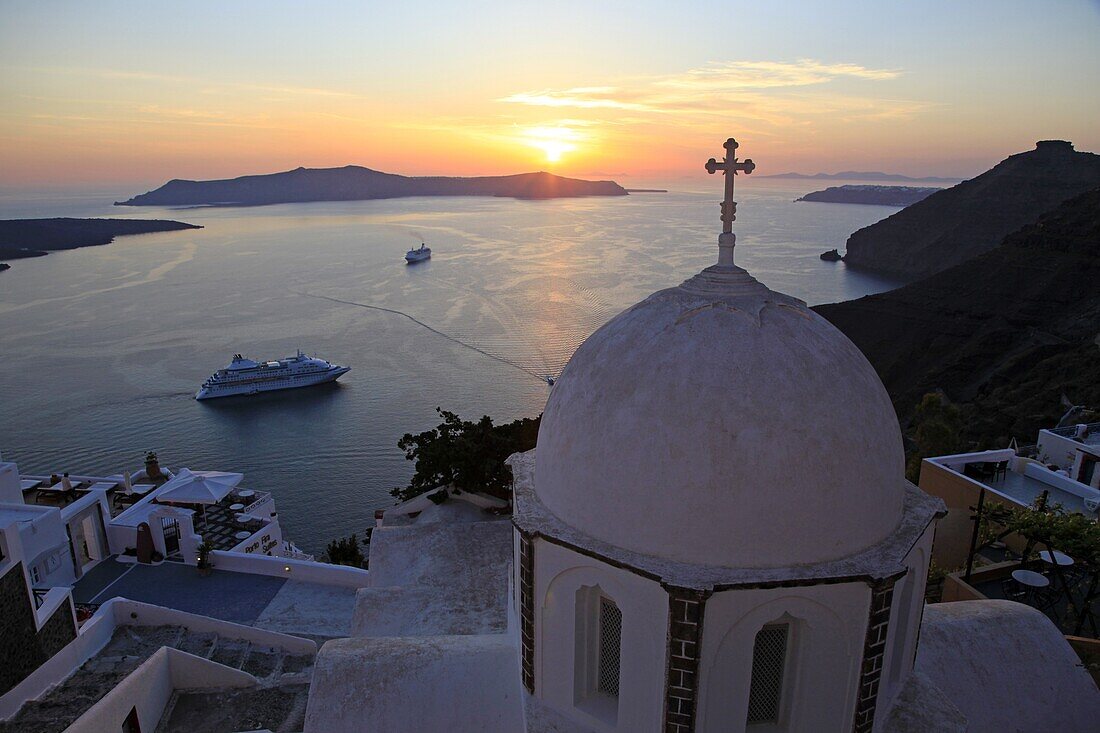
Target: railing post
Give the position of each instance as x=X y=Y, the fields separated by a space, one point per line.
x=974 y=534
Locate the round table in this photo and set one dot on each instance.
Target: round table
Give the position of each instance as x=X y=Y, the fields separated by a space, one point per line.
x=1060 y=558
x=1030 y=578
x=243 y=535
x=245 y=518
x=236 y=507
x=246 y=493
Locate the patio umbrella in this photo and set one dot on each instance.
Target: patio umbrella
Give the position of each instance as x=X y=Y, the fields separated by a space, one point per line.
x=199 y=487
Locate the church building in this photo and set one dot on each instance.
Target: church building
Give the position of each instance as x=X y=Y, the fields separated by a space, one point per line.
x=714 y=534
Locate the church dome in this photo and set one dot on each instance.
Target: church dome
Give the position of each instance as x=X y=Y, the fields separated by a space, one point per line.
x=721 y=423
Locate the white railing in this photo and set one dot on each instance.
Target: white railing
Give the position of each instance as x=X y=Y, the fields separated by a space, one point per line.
x=261 y=498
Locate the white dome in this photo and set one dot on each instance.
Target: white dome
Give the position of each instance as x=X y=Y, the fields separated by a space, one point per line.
x=721 y=423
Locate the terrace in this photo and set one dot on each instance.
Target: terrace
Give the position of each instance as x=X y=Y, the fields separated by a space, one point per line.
x=1063 y=593
x=51 y=491
x=1091 y=435
x=235 y=522
x=1022 y=481
x=282 y=604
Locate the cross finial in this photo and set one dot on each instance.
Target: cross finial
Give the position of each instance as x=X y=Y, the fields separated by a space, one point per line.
x=730 y=166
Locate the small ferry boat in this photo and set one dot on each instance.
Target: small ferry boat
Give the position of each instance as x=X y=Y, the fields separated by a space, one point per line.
x=418 y=255
x=244 y=376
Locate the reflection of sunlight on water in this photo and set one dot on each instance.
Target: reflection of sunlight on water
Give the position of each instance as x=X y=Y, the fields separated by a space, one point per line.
x=130 y=329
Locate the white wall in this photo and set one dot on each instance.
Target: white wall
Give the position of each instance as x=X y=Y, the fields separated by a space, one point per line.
x=284 y=567
x=559 y=574
x=10 y=493
x=905 y=618
x=93 y=636
x=828 y=632
x=1053 y=448
x=268 y=540
x=46 y=546
x=149 y=688
x=97 y=631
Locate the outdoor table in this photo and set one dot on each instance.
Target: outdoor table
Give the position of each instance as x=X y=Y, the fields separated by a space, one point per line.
x=57 y=489
x=245 y=518
x=27 y=484
x=246 y=493
x=243 y=535
x=101 y=485
x=236 y=507
x=1030 y=578
x=1060 y=558
x=141 y=489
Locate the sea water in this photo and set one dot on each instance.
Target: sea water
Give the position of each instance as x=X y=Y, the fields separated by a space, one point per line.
x=103 y=348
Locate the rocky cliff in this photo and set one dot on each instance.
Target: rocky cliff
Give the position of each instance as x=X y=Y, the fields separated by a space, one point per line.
x=355 y=183
x=21 y=238
x=953 y=225
x=1006 y=333
x=870 y=194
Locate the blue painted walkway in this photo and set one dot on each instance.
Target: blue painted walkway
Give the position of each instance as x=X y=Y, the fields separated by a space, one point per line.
x=237 y=597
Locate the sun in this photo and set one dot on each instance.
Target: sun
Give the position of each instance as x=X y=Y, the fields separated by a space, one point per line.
x=552 y=141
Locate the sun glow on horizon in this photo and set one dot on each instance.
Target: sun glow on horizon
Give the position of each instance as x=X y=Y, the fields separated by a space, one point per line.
x=552 y=141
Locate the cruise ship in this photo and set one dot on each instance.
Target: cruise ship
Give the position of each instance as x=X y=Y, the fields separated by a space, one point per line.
x=244 y=376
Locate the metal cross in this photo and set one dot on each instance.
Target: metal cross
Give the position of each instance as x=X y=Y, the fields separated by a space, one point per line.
x=730 y=167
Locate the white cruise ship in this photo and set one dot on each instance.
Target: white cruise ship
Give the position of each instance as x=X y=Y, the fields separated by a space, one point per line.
x=244 y=376
x=418 y=255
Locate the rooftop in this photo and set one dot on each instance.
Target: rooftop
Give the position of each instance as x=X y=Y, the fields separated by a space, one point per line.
x=278 y=703
x=1020 y=480
x=273 y=603
x=1026 y=490
x=1091 y=438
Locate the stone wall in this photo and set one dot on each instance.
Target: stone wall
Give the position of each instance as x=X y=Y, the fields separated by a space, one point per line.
x=685 y=626
x=23 y=648
x=874 y=651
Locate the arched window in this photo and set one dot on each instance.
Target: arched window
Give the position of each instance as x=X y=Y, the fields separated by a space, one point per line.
x=611 y=631
x=598 y=653
x=770 y=654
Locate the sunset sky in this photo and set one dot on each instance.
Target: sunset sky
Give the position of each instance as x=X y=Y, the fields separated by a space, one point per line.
x=140 y=92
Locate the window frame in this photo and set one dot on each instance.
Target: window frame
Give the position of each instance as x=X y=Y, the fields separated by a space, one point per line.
x=782 y=705
x=587 y=695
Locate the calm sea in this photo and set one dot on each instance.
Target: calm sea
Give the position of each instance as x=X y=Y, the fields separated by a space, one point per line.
x=103 y=348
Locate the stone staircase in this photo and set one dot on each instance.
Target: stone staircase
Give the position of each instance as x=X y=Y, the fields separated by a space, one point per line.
x=280 y=674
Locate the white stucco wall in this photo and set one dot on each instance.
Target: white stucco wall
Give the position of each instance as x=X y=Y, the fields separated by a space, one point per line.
x=1053 y=448
x=9 y=483
x=149 y=688
x=559 y=574
x=829 y=628
x=905 y=617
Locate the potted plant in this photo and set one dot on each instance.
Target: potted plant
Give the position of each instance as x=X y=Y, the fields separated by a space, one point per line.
x=205 y=565
x=152 y=466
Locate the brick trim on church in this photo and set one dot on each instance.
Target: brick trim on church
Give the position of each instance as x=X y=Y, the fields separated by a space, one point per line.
x=874 y=650
x=685 y=632
x=527 y=610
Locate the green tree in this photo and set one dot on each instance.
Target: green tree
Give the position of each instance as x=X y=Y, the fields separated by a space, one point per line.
x=937 y=428
x=1046 y=527
x=347 y=551
x=468 y=455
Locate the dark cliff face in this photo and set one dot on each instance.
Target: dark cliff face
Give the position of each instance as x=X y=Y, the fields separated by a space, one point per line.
x=34 y=237
x=354 y=183
x=958 y=223
x=1006 y=333
x=875 y=195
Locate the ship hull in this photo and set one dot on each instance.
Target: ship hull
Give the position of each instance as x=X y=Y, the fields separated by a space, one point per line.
x=271 y=385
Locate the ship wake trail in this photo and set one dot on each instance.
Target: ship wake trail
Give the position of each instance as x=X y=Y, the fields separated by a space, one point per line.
x=436 y=331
